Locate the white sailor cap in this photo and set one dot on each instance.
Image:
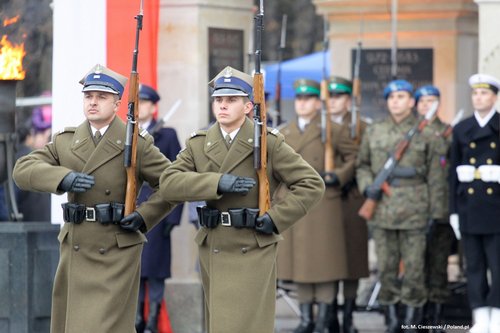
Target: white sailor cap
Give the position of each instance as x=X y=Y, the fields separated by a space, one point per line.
x=484 y=81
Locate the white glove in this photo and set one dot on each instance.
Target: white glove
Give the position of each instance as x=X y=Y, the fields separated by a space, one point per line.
x=455 y=225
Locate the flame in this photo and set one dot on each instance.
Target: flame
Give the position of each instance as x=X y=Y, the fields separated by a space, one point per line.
x=10 y=21
x=11 y=60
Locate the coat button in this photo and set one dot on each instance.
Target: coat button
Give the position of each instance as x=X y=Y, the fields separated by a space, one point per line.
x=108 y=192
x=244 y=250
x=472 y=160
x=102 y=250
x=489 y=190
x=470 y=190
x=489 y=161
x=76 y=247
x=472 y=145
x=216 y=251
x=493 y=145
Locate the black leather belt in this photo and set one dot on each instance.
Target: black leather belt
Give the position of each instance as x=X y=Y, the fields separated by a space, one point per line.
x=105 y=213
x=234 y=217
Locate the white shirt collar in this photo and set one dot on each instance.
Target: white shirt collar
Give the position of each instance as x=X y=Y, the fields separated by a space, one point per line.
x=302 y=122
x=338 y=119
x=232 y=134
x=102 y=130
x=483 y=121
x=145 y=125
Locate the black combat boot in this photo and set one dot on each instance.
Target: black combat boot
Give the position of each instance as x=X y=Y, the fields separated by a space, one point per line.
x=334 y=318
x=413 y=317
x=392 y=319
x=139 y=318
x=306 y=324
x=435 y=311
x=347 y=325
x=323 y=318
x=154 y=312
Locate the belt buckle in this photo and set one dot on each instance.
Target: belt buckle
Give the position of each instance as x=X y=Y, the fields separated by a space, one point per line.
x=225 y=219
x=90 y=214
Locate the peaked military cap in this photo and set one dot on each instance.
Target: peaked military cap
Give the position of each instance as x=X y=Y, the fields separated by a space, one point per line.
x=428 y=90
x=398 y=85
x=306 y=87
x=484 y=81
x=339 y=85
x=100 y=78
x=232 y=82
x=148 y=93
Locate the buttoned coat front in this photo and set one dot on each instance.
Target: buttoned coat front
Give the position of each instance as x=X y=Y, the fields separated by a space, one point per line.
x=314 y=250
x=238 y=266
x=97 y=279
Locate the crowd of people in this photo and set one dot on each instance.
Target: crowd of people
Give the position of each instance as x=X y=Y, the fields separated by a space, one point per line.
x=443 y=186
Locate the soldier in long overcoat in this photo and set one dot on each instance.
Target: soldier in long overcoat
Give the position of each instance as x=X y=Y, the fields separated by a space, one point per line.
x=97 y=280
x=157 y=253
x=237 y=249
x=401 y=216
x=356 y=230
x=319 y=234
x=474 y=198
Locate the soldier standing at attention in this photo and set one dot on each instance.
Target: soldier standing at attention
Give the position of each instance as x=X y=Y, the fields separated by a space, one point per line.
x=400 y=219
x=440 y=235
x=474 y=201
x=313 y=253
x=355 y=228
x=97 y=279
x=157 y=252
x=237 y=248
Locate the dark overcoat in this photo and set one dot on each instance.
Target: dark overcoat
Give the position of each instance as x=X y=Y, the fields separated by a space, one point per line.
x=477 y=202
x=238 y=266
x=157 y=253
x=97 y=280
x=314 y=250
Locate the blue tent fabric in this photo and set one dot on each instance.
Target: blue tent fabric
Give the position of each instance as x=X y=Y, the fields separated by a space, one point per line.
x=308 y=67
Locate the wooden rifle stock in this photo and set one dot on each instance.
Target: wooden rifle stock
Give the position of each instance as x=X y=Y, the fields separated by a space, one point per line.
x=132 y=131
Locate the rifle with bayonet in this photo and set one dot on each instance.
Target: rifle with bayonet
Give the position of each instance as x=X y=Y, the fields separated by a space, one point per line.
x=132 y=130
x=161 y=123
x=260 y=122
x=355 y=126
x=326 y=122
x=277 y=97
x=449 y=128
x=380 y=182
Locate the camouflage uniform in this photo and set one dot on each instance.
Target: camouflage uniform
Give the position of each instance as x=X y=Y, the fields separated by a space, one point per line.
x=400 y=220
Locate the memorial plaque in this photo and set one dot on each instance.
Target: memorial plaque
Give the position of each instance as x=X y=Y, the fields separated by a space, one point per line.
x=225 y=48
x=414 y=65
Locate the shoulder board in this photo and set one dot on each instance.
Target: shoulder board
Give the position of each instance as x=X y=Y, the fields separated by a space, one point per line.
x=143 y=133
x=66 y=130
x=273 y=131
x=198 y=133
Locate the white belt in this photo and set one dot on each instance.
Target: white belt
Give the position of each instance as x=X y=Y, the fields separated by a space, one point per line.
x=486 y=173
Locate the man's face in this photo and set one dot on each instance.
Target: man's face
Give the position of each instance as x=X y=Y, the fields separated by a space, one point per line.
x=483 y=99
x=424 y=104
x=230 y=111
x=146 y=110
x=400 y=103
x=100 y=107
x=306 y=106
x=339 y=104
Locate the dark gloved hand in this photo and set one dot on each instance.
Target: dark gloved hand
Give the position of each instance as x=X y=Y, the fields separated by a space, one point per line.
x=373 y=192
x=265 y=224
x=330 y=178
x=133 y=222
x=168 y=229
x=76 y=182
x=235 y=184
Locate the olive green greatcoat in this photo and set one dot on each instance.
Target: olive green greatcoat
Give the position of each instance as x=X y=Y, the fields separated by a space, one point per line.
x=238 y=266
x=356 y=229
x=97 y=279
x=314 y=250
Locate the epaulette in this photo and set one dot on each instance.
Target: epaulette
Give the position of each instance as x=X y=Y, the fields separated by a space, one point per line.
x=273 y=131
x=144 y=133
x=66 y=130
x=198 y=133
